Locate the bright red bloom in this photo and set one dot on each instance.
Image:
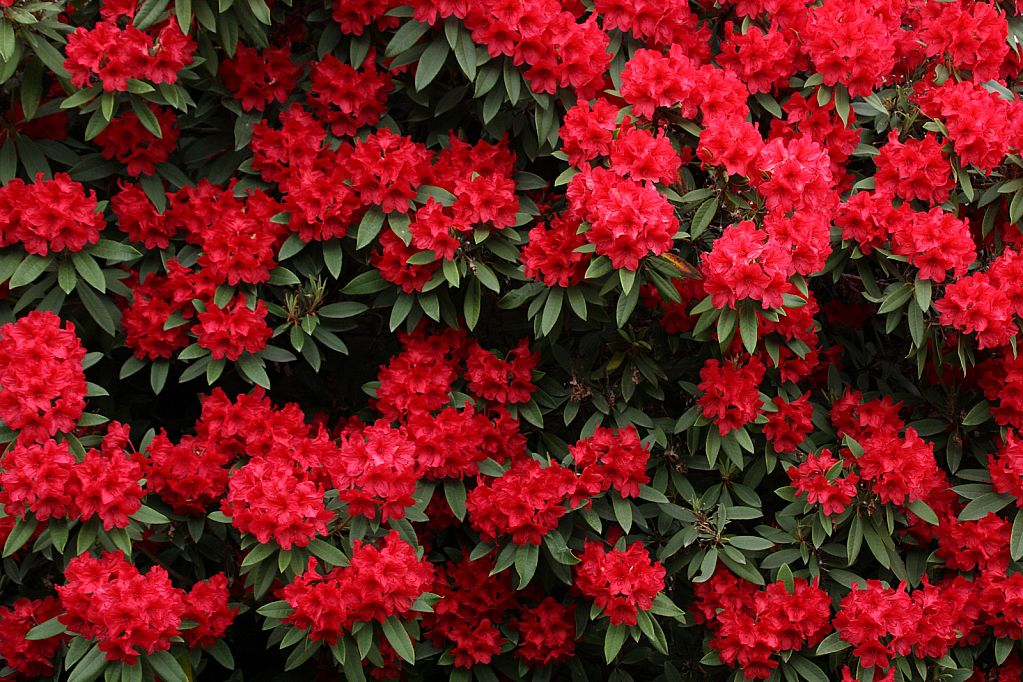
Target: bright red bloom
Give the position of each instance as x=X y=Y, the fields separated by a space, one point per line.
x=789 y=425
x=746 y=262
x=611 y=459
x=731 y=394
x=272 y=499
x=375 y=467
x=818 y=478
x=916 y=169
x=206 y=605
x=30 y=658
x=188 y=476
x=108 y=600
x=525 y=502
x=109 y=487
x=40 y=479
x=502 y=381
x=551 y=253
x=619 y=582
x=233 y=329
x=132 y=143
x=257 y=78
x=49 y=215
x=42 y=383
x=548 y=633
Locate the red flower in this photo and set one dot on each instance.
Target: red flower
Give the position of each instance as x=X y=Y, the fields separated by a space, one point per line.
x=233 y=329
x=31 y=658
x=619 y=582
x=132 y=143
x=731 y=394
x=49 y=215
x=257 y=78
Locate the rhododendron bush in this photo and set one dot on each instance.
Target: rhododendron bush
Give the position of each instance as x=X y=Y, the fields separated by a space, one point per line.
x=511 y=340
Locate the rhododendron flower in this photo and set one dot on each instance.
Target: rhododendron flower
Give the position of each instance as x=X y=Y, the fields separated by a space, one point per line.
x=42 y=383
x=131 y=142
x=31 y=658
x=628 y=220
x=375 y=467
x=259 y=77
x=789 y=425
x=49 y=215
x=233 y=329
x=619 y=582
x=609 y=458
x=502 y=381
x=525 y=502
x=551 y=254
x=974 y=304
x=731 y=394
x=381 y=581
x=586 y=132
x=746 y=263
x=548 y=633
x=272 y=499
x=206 y=605
x=873 y=612
x=916 y=169
x=850 y=44
x=108 y=600
x=816 y=478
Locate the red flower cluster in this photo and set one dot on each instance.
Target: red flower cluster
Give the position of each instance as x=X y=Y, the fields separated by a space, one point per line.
x=206 y=606
x=273 y=498
x=233 y=329
x=789 y=425
x=547 y=633
x=346 y=99
x=551 y=254
x=852 y=44
x=49 y=215
x=472 y=601
x=380 y=582
x=818 y=477
x=32 y=658
x=976 y=304
x=501 y=381
x=42 y=383
x=526 y=502
x=188 y=476
x=764 y=60
x=874 y=612
x=609 y=458
x=375 y=468
x=137 y=216
x=619 y=582
x=750 y=625
x=916 y=169
x=259 y=77
x=107 y=599
x=154 y=301
x=628 y=220
x=115 y=55
x=746 y=262
x=131 y=142
x=731 y=394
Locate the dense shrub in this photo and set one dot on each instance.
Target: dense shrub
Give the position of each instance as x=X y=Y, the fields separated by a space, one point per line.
x=610 y=340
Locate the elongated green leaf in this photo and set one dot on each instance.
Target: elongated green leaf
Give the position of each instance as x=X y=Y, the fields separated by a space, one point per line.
x=167 y=667
x=405 y=37
x=91 y=666
x=614 y=638
x=984 y=505
x=399 y=639
x=454 y=492
x=431 y=62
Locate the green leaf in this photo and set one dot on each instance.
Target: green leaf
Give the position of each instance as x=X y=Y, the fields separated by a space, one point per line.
x=626 y=304
x=405 y=37
x=146 y=117
x=526 y=558
x=785 y=576
x=149 y=516
x=369 y=227
x=167 y=667
x=750 y=542
x=831 y=644
x=1016 y=538
x=366 y=283
x=149 y=13
x=158 y=372
x=896 y=299
x=472 y=303
x=20 y=534
x=614 y=638
x=769 y=103
x=984 y=505
x=922 y=292
x=91 y=666
x=552 y=310
x=924 y=511
x=31 y=267
x=454 y=492
x=703 y=217
x=89 y=270
x=220 y=650
x=260 y=11
x=399 y=639
x=31 y=87
x=431 y=62
x=50 y=628
x=809 y=670
x=110 y=250
x=328 y=552
x=333 y=254
x=978 y=414
x=748 y=325
x=916 y=325
x=251 y=366
x=623 y=512
x=183 y=13
x=51 y=56
x=97 y=308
